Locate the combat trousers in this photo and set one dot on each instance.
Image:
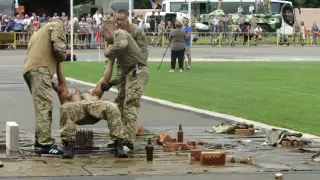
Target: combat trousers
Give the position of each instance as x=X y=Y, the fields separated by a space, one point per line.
x=128 y=99
x=88 y=113
x=296 y=37
x=39 y=83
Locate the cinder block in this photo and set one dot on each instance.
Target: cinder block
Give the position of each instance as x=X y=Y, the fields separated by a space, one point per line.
x=12 y=136
x=278 y=176
x=213 y=158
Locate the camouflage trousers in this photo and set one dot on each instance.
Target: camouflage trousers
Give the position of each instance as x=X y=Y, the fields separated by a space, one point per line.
x=39 y=83
x=88 y=113
x=160 y=34
x=128 y=100
x=296 y=37
x=267 y=7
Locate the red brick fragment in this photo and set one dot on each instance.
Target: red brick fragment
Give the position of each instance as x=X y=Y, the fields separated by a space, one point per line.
x=278 y=176
x=213 y=158
x=191 y=160
x=191 y=144
x=163 y=138
x=244 y=132
x=200 y=143
x=170 y=147
x=286 y=144
x=196 y=153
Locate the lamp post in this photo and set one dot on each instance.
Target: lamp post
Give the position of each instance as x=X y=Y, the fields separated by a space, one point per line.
x=71 y=30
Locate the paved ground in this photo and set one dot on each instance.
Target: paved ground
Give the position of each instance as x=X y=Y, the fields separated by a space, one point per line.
x=206 y=53
x=16 y=105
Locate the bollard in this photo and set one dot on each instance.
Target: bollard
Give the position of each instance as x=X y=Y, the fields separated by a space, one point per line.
x=12 y=136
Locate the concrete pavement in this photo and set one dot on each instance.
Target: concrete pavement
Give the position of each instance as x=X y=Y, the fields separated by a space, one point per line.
x=16 y=105
x=238 y=53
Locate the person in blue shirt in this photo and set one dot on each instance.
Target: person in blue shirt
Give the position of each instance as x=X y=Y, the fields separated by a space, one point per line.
x=43 y=19
x=11 y=24
x=315 y=31
x=186 y=28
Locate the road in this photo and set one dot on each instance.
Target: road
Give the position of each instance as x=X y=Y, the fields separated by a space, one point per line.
x=16 y=105
x=207 y=53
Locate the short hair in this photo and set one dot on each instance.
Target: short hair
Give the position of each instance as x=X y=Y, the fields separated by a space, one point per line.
x=57 y=19
x=178 y=24
x=110 y=25
x=122 y=11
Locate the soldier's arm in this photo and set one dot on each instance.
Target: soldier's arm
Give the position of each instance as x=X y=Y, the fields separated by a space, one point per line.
x=188 y=31
x=118 y=47
x=59 y=42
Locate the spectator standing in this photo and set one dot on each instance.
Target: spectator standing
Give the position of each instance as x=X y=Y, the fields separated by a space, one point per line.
x=18 y=28
x=187 y=29
x=240 y=9
x=315 y=31
x=83 y=31
x=11 y=24
x=90 y=31
x=177 y=39
x=251 y=9
x=4 y=23
x=303 y=32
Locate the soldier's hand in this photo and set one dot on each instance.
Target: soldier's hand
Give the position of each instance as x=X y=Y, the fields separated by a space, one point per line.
x=105 y=86
x=114 y=82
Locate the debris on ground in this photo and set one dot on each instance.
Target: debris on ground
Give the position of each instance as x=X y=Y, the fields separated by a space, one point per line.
x=240 y=128
x=1 y=164
x=278 y=176
x=316 y=158
x=282 y=138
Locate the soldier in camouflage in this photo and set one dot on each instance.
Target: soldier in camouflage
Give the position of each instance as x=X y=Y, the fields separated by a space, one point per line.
x=267 y=6
x=234 y=30
x=161 y=30
x=121 y=19
x=46 y=49
x=296 y=32
x=133 y=74
x=85 y=109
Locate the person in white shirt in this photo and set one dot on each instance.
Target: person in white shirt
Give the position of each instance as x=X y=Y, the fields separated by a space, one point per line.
x=257 y=35
x=240 y=9
x=26 y=22
x=97 y=18
x=251 y=9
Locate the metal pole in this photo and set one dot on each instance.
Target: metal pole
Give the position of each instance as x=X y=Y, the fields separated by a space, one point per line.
x=189 y=10
x=130 y=11
x=71 y=29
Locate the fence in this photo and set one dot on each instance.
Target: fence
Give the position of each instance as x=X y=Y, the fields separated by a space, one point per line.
x=88 y=41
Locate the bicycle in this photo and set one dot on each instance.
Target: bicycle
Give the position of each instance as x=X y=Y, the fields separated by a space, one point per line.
x=221 y=38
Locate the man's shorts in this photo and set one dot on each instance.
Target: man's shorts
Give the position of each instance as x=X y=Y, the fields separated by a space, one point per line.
x=187 y=51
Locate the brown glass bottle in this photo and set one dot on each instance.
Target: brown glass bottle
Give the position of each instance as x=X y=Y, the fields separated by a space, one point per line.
x=180 y=134
x=149 y=149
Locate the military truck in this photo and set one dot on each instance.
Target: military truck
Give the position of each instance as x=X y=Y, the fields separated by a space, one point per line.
x=83 y=10
x=268 y=22
x=7 y=7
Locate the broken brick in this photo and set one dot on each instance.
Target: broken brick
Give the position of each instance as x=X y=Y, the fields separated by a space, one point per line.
x=213 y=158
x=163 y=138
x=200 y=143
x=173 y=139
x=1 y=164
x=278 y=176
x=196 y=153
x=286 y=143
x=139 y=130
x=170 y=147
x=297 y=143
x=191 y=144
x=244 y=132
x=181 y=146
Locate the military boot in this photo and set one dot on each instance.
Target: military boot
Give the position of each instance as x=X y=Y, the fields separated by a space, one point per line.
x=127 y=146
x=119 y=149
x=68 y=150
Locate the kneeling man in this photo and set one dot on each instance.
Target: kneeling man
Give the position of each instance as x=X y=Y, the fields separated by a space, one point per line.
x=86 y=108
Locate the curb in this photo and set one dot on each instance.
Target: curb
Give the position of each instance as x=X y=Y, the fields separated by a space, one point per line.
x=206 y=112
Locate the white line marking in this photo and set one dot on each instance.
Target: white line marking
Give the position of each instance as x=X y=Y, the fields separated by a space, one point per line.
x=202 y=111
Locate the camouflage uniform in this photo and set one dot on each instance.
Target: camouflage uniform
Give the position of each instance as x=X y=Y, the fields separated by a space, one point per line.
x=267 y=7
x=254 y=22
x=39 y=68
x=221 y=25
x=161 y=30
x=141 y=39
x=234 y=29
x=134 y=75
x=88 y=113
x=296 y=33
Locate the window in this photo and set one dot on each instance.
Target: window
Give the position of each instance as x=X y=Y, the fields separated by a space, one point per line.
x=164 y=8
x=178 y=7
x=6 y=7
